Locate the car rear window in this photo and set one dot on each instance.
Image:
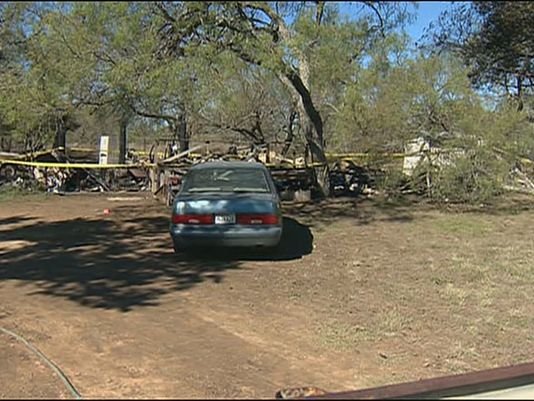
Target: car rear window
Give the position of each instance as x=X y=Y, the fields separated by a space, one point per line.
x=226 y=179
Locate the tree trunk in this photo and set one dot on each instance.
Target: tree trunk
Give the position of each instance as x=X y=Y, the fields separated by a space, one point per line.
x=310 y=118
x=122 y=141
x=311 y=124
x=61 y=133
x=5 y=144
x=182 y=134
x=519 y=94
x=288 y=141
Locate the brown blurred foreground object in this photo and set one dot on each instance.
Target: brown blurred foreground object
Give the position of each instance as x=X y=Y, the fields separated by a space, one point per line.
x=299 y=392
x=512 y=382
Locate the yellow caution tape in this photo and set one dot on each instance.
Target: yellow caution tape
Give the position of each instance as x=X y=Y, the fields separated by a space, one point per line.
x=349 y=156
x=108 y=166
x=74 y=165
x=295 y=167
x=330 y=157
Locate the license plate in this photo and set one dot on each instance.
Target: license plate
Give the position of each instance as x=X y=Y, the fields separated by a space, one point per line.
x=225 y=219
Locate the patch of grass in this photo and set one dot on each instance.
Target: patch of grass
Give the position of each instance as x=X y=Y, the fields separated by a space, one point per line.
x=469 y=270
x=519 y=318
x=485 y=296
x=342 y=336
x=467 y=225
x=9 y=192
x=455 y=295
x=392 y=322
x=467 y=282
x=512 y=263
x=461 y=357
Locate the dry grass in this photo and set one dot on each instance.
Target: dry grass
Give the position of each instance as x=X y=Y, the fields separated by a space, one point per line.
x=454 y=287
x=341 y=336
x=9 y=193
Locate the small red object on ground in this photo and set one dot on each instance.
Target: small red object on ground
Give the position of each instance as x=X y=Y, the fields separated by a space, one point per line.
x=107 y=211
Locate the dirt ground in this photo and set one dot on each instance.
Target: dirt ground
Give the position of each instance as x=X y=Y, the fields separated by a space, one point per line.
x=361 y=294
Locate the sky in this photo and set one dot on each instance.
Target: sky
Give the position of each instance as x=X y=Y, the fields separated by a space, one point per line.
x=426 y=13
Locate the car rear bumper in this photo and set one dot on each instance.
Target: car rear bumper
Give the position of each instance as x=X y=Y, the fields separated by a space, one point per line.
x=244 y=236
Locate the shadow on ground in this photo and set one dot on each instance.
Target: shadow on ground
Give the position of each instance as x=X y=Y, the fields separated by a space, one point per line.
x=120 y=263
x=14 y=220
x=363 y=210
x=401 y=210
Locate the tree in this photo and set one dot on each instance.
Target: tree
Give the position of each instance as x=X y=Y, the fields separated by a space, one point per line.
x=108 y=61
x=39 y=108
x=280 y=37
x=496 y=40
x=246 y=104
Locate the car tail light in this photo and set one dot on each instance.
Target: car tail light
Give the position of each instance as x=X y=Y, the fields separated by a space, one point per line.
x=261 y=219
x=192 y=219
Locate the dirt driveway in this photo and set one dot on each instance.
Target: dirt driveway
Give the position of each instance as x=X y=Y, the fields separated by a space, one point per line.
x=359 y=296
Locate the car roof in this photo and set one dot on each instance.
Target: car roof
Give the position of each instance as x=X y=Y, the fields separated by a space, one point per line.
x=228 y=164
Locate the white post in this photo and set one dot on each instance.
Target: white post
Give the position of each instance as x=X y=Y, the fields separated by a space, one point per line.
x=104 y=150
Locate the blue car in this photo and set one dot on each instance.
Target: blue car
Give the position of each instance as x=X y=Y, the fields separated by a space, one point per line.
x=229 y=204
